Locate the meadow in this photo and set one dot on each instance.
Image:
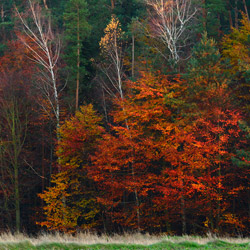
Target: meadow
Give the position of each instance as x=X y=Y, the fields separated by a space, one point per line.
x=84 y=241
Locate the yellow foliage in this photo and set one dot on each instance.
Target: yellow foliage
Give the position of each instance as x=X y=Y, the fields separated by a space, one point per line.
x=72 y=197
x=236 y=46
x=113 y=33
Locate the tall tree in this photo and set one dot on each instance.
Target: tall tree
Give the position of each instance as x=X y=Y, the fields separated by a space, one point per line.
x=70 y=204
x=77 y=30
x=111 y=48
x=15 y=103
x=235 y=47
x=129 y=160
x=44 y=44
x=214 y=17
x=215 y=127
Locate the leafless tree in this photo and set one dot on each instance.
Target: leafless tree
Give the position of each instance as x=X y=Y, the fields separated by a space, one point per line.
x=169 y=19
x=44 y=45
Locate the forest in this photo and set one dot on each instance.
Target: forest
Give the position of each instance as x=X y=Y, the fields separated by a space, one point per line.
x=125 y=115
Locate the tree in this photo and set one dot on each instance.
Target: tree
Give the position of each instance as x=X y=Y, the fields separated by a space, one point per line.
x=77 y=29
x=235 y=47
x=130 y=158
x=112 y=73
x=16 y=115
x=169 y=20
x=111 y=48
x=214 y=16
x=44 y=46
x=71 y=201
x=215 y=129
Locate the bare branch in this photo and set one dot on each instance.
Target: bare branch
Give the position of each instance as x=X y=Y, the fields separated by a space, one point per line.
x=169 y=19
x=44 y=48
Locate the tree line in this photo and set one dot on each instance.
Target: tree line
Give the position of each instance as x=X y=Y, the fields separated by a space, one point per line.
x=125 y=115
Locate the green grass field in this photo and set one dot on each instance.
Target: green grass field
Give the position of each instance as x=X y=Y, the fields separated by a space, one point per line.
x=158 y=246
x=126 y=242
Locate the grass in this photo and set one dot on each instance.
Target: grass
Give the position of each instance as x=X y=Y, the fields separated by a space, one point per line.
x=138 y=241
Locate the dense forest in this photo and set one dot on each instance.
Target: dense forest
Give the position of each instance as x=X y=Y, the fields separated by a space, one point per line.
x=123 y=115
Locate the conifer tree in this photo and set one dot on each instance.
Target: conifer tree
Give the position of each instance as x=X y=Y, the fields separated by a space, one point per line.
x=77 y=30
x=215 y=119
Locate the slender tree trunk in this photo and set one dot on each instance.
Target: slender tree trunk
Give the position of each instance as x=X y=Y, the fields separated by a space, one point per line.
x=204 y=15
x=229 y=9
x=2 y=13
x=219 y=174
x=236 y=13
x=133 y=55
x=78 y=60
x=2 y=19
x=136 y=201
x=15 y=166
x=183 y=210
x=230 y=19
x=45 y=4
x=248 y=196
x=43 y=172
x=112 y=4
x=219 y=26
x=104 y=104
x=245 y=7
x=17 y=196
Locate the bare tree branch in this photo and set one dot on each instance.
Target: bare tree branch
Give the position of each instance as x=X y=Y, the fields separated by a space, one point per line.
x=45 y=50
x=169 y=20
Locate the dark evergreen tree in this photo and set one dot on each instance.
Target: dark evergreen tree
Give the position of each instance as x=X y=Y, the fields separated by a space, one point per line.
x=77 y=29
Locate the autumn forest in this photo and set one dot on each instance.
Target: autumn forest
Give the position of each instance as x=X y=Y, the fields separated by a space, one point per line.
x=125 y=115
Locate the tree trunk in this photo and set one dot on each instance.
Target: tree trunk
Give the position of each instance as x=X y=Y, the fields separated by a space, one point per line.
x=2 y=13
x=230 y=19
x=245 y=7
x=204 y=15
x=78 y=59
x=45 y=4
x=17 y=197
x=219 y=26
x=112 y=4
x=236 y=13
x=183 y=216
x=133 y=55
x=3 y=19
x=15 y=167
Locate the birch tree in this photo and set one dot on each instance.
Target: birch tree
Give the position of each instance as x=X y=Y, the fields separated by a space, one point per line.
x=170 y=19
x=44 y=46
x=111 y=48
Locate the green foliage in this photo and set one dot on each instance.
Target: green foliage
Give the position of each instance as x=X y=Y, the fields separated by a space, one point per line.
x=205 y=63
x=76 y=13
x=205 y=71
x=126 y=10
x=216 y=10
x=236 y=47
x=77 y=30
x=214 y=17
